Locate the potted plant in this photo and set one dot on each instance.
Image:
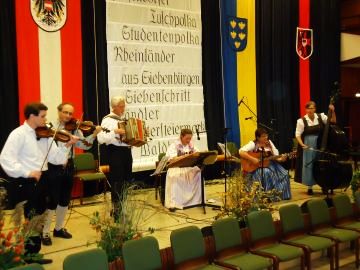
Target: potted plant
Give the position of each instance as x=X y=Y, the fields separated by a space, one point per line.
x=130 y=225
x=244 y=196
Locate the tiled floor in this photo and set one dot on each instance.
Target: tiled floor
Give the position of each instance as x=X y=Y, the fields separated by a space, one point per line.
x=163 y=221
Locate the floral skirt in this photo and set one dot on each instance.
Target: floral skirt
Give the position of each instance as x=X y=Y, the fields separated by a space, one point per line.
x=274 y=177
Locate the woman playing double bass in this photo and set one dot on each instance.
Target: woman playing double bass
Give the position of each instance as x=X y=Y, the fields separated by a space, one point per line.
x=307 y=132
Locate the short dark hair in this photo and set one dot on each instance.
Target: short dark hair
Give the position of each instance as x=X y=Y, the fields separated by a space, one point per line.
x=34 y=108
x=260 y=131
x=60 y=107
x=310 y=103
x=185 y=131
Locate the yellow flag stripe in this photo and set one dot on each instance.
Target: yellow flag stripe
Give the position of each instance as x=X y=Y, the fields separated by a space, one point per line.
x=246 y=72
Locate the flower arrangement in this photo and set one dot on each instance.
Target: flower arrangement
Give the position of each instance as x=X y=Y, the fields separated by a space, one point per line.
x=12 y=241
x=244 y=196
x=128 y=226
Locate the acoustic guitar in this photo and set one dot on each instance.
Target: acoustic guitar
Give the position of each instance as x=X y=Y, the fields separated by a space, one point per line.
x=249 y=167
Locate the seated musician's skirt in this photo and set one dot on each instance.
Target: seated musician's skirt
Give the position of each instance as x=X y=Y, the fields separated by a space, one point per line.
x=274 y=177
x=183 y=187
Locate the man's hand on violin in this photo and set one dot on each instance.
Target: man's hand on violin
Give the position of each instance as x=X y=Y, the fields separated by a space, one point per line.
x=35 y=174
x=73 y=140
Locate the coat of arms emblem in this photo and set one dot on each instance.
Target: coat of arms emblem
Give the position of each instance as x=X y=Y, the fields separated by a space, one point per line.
x=304 y=42
x=49 y=15
x=238 y=31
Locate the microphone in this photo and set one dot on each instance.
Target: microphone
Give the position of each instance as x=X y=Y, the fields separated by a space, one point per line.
x=248 y=118
x=241 y=100
x=197 y=133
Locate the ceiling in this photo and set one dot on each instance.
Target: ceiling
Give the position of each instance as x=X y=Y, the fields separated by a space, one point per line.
x=350 y=16
x=350 y=23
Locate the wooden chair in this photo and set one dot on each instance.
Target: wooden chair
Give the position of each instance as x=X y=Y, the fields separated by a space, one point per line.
x=265 y=242
x=87 y=169
x=142 y=254
x=295 y=233
x=231 y=251
x=322 y=226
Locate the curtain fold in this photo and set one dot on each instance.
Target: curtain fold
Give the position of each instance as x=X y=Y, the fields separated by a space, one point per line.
x=9 y=117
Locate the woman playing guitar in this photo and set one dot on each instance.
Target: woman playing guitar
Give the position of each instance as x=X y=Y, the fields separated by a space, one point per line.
x=258 y=161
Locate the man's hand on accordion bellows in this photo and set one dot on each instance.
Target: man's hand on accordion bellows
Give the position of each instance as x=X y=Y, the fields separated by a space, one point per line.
x=119 y=131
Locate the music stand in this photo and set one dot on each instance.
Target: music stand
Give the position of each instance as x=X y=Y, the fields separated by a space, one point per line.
x=200 y=159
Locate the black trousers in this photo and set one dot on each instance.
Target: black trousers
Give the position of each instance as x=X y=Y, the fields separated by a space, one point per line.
x=36 y=194
x=60 y=184
x=120 y=165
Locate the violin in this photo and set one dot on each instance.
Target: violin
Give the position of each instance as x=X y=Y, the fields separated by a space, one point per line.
x=60 y=135
x=48 y=132
x=84 y=126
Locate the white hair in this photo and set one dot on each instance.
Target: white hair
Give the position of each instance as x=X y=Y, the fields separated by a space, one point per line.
x=116 y=100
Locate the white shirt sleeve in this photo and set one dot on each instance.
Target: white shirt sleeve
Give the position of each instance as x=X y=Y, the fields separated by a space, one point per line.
x=106 y=137
x=324 y=117
x=250 y=146
x=171 y=151
x=58 y=155
x=89 y=139
x=299 y=127
x=9 y=156
x=274 y=149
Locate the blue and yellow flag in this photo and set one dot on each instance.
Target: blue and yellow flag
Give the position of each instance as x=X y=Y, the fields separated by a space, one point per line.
x=239 y=68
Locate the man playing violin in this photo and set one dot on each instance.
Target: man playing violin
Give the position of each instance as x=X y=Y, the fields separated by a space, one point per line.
x=25 y=158
x=274 y=176
x=119 y=153
x=62 y=176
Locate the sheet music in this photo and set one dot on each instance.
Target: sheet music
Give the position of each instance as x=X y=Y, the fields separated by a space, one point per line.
x=161 y=166
x=223 y=149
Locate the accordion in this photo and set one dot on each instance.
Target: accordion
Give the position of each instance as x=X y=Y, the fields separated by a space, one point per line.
x=135 y=132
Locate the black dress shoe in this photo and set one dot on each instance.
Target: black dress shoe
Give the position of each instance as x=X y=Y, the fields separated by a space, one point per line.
x=172 y=209
x=310 y=191
x=62 y=233
x=39 y=261
x=46 y=240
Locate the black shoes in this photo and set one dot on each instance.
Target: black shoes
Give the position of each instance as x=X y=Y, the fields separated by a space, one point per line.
x=310 y=191
x=39 y=261
x=62 y=233
x=46 y=240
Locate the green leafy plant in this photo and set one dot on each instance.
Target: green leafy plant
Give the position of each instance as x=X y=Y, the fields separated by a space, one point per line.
x=244 y=196
x=129 y=225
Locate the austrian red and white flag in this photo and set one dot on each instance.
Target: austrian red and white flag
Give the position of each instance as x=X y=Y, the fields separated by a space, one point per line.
x=49 y=53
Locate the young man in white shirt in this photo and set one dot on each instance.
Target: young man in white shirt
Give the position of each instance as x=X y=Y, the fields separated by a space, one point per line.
x=24 y=158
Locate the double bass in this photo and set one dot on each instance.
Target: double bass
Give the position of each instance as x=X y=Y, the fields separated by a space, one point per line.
x=332 y=169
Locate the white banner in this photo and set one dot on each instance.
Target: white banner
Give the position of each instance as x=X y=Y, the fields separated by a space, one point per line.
x=155 y=62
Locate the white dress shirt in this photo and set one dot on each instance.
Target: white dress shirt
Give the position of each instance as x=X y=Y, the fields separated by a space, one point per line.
x=24 y=153
x=300 y=123
x=110 y=137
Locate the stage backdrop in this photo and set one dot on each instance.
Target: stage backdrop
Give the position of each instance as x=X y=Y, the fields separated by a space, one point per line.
x=155 y=62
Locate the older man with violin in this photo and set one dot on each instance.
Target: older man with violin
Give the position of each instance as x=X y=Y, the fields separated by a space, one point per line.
x=25 y=157
x=62 y=176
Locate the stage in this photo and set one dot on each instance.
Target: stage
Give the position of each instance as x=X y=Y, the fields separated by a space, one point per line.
x=163 y=222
